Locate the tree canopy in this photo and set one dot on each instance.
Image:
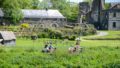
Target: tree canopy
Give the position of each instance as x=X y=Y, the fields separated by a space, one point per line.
x=12 y=8
x=68 y=9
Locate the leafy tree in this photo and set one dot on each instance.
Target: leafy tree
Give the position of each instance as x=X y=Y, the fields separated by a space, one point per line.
x=12 y=10
x=71 y=12
x=74 y=13
x=107 y=5
x=90 y=1
x=1 y=2
x=45 y=4
x=25 y=4
x=29 y=4
x=35 y=4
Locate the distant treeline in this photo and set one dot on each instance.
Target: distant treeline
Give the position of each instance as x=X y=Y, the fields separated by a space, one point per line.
x=12 y=8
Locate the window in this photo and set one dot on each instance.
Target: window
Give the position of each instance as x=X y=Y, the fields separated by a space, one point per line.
x=41 y=25
x=114 y=14
x=54 y=25
x=114 y=24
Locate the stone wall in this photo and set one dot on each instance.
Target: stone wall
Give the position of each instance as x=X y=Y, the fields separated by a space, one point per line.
x=46 y=23
x=114 y=21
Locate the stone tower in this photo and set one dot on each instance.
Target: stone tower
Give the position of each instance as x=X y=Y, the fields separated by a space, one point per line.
x=97 y=7
x=98 y=4
x=84 y=8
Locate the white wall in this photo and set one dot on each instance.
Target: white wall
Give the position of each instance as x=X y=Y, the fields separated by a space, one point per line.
x=114 y=19
x=110 y=25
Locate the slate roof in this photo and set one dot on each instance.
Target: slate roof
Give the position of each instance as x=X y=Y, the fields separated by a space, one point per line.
x=115 y=8
x=114 y=4
x=29 y=13
x=7 y=35
x=42 y=14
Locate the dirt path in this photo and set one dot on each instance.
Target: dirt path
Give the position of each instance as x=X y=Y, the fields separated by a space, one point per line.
x=99 y=33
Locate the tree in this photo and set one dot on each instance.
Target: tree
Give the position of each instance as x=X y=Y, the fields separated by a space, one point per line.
x=29 y=4
x=12 y=10
x=35 y=4
x=70 y=12
x=107 y=5
x=25 y=4
x=90 y=1
x=1 y=2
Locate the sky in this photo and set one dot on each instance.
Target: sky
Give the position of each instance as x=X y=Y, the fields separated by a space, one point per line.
x=106 y=0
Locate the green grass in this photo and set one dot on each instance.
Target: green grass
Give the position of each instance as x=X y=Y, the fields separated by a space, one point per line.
x=27 y=54
x=60 y=43
x=112 y=35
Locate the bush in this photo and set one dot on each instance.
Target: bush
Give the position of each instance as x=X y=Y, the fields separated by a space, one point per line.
x=43 y=35
x=55 y=34
x=72 y=37
x=50 y=33
x=66 y=33
x=25 y=25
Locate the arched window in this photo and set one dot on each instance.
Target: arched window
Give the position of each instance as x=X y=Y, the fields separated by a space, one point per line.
x=114 y=24
x=114 y=14
x=41 y=25
x=54 y=25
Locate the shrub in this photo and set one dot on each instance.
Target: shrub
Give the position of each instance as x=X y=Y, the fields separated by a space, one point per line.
x=73 y=37
x=64 y=33
x=25 y=25
x=50 y=33
x=55 y=34
x=43 y=35
x=66 y=37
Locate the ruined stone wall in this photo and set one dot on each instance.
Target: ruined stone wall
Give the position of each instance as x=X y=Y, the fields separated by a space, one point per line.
x=113 y=20
x=46 y=23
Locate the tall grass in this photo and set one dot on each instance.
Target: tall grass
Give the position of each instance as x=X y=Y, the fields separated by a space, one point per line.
x=27 y=54
x=91 y=57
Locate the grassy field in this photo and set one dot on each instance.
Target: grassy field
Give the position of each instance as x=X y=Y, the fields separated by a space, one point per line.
x=96 y=54
x=112 y=35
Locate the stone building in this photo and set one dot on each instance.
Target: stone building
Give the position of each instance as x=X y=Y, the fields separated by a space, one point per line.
x=114 y=17
x=7 y=38
x=41 y=18
x=1 y=15
x=84 y=9
x=100 y=17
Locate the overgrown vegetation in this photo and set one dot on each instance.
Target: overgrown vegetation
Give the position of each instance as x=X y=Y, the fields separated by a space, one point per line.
x=13 y=14
x=66 y=33
x=97 y=54
x=24 y=30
